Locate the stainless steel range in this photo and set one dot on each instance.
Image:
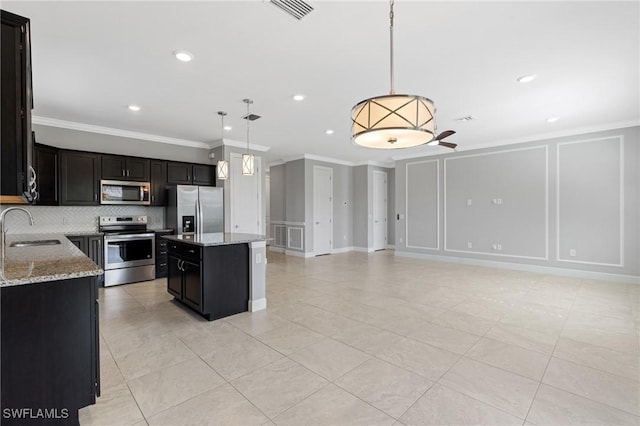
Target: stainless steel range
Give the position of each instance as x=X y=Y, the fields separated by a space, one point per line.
x=129 y=250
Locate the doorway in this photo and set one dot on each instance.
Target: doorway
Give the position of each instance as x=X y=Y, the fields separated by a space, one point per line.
x=322 y=210
x=379 y=210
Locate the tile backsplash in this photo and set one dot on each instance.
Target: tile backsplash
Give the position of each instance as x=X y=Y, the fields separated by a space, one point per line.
x=68 y=220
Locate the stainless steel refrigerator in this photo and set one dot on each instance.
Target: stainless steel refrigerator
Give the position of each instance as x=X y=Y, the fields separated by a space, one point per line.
x=195 y=209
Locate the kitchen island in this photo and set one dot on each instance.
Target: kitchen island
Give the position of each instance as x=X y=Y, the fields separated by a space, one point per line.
x=218 y=274
x=49 y=329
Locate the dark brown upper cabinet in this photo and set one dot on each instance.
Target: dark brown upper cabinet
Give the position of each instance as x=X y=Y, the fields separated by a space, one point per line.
x=16 y=141
x=190 y=174
x=45 y=162
x=117 y=167
x=204 y=174
x=79 y=178
x=158 y=182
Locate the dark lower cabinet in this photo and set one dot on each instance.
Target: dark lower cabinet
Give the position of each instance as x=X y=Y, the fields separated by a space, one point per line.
x=162 y=261
x=174 y=277
x=50 y=351
x=92 y=247
x=211 y=280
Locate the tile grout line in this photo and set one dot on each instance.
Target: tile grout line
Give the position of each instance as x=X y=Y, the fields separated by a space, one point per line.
x=535 y=395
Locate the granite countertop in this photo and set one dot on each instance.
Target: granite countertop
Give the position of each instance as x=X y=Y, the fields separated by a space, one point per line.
x=217 y=238
x=28 y=265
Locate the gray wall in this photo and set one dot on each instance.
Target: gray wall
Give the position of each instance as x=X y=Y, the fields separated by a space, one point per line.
x=96 y=142
x=295 y=191
x=361 y=206
x=568 y=202
x=277 y=193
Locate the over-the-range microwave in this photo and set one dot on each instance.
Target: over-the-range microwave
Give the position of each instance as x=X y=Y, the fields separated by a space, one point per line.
x=121 y=192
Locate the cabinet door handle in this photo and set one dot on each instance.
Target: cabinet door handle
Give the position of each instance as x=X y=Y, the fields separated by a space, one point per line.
x=191 y=251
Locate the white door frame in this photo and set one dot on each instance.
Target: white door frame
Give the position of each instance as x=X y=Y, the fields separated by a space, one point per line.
x=386 y=209
x=330 y=170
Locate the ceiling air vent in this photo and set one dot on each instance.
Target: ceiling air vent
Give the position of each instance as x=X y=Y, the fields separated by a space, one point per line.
x=465 y=119
x=296 y=8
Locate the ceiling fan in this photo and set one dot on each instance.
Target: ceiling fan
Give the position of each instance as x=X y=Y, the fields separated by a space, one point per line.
x=438 y=140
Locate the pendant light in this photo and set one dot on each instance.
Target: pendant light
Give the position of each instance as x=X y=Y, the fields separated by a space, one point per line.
x=393 y=121
x=248 y=159
x=223 y=165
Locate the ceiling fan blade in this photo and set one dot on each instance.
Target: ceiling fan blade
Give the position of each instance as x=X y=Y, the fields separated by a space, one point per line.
x=444 y=134
x=448 y=144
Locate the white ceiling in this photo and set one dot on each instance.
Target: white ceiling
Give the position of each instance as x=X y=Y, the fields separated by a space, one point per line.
x=92 y=59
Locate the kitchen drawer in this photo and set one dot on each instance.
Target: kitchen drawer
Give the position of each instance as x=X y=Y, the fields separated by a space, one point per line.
x=194 y=252
x=184 y=250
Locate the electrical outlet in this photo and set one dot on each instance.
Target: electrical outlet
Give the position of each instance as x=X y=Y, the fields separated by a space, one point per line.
x=469 y=244
x=344 y=237
x=497 y=201
x=65 y=221
x=469 y=201
x=572 y=252
x=258 y=257
x=400 y=239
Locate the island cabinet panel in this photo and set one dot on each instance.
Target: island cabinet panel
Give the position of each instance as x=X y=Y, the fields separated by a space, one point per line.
x=50 y=349
x=192 y=284
x=174 y=276
x=212 y=280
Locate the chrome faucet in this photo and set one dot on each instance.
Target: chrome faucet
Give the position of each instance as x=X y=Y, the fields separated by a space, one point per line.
x=3 y=231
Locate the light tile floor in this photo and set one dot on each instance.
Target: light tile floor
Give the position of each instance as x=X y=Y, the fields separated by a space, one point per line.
x=374 y=339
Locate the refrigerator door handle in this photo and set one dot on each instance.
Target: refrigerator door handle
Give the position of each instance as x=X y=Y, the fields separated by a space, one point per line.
x=199 y=221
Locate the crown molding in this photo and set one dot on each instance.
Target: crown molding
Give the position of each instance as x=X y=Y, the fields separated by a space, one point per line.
x=239 y=144
x=276 y=163
x=541 y=137
x=385 y=164
x=327 y=159
x=52 y=122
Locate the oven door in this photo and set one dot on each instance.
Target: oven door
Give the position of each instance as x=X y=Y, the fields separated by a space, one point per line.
x=127 y=250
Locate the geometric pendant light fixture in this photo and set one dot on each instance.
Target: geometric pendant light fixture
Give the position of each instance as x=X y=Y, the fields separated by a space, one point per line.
x=248 y=161
x=223 y=165
x=394 y=121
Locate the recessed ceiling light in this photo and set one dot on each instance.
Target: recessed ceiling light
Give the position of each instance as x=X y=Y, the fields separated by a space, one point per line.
x=329 y=131
x=552 y=119
x=227 y=128
x=183 y=55
x=134 y=107
x=527 y=78
x=298 y=97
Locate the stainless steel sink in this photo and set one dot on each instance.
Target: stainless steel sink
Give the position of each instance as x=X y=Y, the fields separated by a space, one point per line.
x=34 y=243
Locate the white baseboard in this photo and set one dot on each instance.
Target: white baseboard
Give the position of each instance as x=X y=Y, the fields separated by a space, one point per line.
x=298 y=254
x=391 y=246
x=257 y=305
x=627 y=279
x=341 y=250
x=363 y=249
x=276 y=249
